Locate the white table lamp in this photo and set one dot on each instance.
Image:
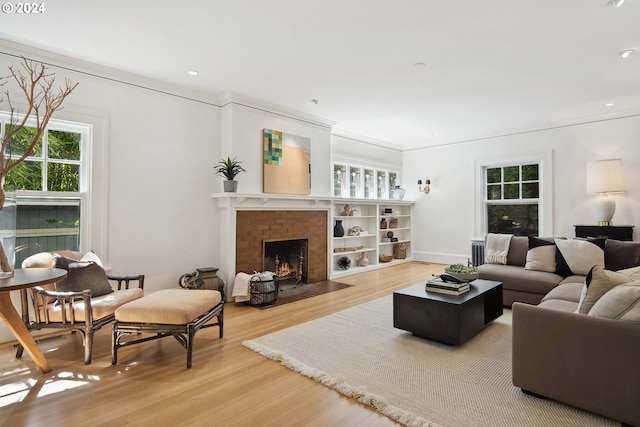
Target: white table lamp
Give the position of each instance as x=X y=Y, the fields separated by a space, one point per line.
x=605 y=177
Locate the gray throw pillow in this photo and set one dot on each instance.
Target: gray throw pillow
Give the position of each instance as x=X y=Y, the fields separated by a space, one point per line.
x=82 y=275
x=619 y=255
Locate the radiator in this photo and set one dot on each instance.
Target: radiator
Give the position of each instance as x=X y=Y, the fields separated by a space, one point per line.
x=477 y=252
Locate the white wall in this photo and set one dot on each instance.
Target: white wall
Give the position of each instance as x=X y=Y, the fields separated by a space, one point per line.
x=242 y=127
x=363 y=152
x=444 y=219
x=160 y=154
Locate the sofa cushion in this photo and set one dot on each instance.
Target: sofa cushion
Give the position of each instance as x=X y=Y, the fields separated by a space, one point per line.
x=619 y=255
x=633 y=273
x=620 y=303
x=598 y=282
x=541 y=255
x=82 y=275
x=560 y=305
x=574 y=279
x=566 y=292
x=577 y=256
x=517 y=278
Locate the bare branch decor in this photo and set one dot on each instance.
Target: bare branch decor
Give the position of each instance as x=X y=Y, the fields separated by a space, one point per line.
x=42 y=99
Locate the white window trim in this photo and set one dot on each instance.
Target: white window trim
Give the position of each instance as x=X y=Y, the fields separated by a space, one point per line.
x=545 y=211
x=95 y=158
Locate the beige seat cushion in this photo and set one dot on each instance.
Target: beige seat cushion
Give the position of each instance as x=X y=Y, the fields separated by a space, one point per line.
x=169 y=307
x=101 y=306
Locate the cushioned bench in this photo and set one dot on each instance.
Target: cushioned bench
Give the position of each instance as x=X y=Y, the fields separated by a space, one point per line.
x=171 y=312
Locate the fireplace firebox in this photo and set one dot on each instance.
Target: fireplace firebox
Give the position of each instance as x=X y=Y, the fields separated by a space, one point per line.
x=288 y=259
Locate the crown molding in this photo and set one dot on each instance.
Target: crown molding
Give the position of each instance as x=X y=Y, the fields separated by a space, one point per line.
x=90 y=69
x=365 y=139
x=229 y=98
x=537 y=127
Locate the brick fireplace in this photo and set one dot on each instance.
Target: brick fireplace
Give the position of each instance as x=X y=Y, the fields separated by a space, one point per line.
x=253 y=227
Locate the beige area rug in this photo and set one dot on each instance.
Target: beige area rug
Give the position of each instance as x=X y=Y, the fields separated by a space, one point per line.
x=412 y=380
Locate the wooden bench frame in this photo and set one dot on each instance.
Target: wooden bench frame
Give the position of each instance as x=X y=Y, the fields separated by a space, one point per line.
x=183 y=333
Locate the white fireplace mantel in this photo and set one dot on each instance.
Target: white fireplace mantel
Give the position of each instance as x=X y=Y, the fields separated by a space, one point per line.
x=230 y=203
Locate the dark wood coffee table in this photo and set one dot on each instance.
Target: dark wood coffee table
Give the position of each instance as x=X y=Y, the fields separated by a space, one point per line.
x=445 y=318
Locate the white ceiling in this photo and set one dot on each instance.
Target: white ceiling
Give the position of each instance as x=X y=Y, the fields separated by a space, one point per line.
x=493 y=67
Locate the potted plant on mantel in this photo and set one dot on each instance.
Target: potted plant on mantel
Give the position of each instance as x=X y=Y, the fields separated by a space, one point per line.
x=229 y=169
x=41 y=99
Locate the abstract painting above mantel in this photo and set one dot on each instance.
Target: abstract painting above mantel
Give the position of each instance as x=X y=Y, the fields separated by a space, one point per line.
x=287 y=163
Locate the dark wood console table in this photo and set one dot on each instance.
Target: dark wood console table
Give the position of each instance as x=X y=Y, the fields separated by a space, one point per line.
x=622 y=232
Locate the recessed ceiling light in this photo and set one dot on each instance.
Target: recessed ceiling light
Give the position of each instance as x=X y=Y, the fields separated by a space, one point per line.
x=609 y=104
x=615 y=3
x=626 y=53
x=419 y=65
x=193 y=73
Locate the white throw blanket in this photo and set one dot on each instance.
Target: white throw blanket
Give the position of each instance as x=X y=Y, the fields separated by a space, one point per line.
x=497 y=248
x=241 y=287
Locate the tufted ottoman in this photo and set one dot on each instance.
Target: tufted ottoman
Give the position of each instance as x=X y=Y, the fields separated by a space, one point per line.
x=171 y=312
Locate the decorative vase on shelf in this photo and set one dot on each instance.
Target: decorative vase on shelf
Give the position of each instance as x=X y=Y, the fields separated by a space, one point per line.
x=383 y=224
x=338 y=229
x=363 y=260
x=397 y=193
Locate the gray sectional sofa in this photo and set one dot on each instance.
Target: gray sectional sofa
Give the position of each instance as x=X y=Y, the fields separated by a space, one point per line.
x=586 y=361
x=530 y=286
x=575 y=344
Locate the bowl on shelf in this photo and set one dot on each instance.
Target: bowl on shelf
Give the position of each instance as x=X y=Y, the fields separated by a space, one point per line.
x=386 y=258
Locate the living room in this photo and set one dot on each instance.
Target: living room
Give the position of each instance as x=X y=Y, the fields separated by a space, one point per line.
x=154 y=145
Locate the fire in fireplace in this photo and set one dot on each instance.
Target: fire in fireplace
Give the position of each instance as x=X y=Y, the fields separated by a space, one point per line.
x=287 y=259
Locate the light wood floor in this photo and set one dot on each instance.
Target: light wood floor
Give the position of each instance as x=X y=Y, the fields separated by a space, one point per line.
x=228 y=384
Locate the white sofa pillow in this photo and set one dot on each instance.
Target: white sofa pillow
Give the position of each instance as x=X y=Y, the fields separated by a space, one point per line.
x=579 y=255
x=620 y=303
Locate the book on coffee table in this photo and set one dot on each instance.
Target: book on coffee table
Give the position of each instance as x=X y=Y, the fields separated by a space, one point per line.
x=439 y=285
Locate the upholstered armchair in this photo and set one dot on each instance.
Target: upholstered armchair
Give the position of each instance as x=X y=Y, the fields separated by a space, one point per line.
x=84 y=301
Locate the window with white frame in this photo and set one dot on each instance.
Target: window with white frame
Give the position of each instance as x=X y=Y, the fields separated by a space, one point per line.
x=362 y=182
x=50 y=186
x=516 y=195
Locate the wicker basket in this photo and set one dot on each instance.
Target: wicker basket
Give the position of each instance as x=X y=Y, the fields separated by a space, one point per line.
x=386 y=258
x=263 y=292
x=400 y=251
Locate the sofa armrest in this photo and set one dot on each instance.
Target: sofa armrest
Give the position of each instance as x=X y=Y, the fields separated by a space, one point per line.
x=587 y=362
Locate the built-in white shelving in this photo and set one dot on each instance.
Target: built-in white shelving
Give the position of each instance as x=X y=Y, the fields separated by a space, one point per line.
x=372 y=241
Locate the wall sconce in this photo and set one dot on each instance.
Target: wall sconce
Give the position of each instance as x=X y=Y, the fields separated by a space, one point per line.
x=426 y=187
x=605 y=177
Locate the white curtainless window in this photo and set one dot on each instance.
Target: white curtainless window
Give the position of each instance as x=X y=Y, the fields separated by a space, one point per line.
x=515 y=195
x=51 y=186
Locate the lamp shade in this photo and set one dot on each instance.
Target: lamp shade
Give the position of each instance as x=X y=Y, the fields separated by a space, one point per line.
x=605 y=176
